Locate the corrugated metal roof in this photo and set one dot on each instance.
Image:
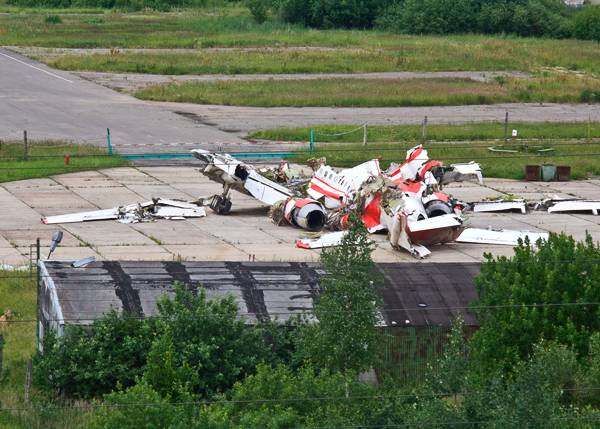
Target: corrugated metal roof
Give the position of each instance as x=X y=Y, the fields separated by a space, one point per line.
x=414 y=294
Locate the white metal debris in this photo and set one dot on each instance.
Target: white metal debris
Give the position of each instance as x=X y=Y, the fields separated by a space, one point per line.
x=504 y=236
x=575 y=206
x=326 y=240
x=134 y=213
x=499 y=206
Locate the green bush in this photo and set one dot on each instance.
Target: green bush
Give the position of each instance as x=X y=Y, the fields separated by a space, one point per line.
x=259 y=9
x=194 y=346
x=587 y=24
x=561 y=271
x=52 y=19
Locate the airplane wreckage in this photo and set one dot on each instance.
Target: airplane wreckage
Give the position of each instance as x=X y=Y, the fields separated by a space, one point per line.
x=406 y=200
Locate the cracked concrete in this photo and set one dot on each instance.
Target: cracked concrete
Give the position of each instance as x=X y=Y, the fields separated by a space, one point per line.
x=245 y=234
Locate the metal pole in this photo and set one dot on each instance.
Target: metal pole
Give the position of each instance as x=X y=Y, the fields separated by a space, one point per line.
x=108 y=141
x=25 y=146
x=311 y=146
x=365 y=135
x=38 y=255
x=506 y=127
x=424 y=131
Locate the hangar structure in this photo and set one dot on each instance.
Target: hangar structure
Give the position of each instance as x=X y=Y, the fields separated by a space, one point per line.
x=413 y=294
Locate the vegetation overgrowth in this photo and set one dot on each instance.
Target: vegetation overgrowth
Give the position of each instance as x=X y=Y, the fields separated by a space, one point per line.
x=534 y=362
x=476 y=131
x=549 y=18
x=556 y=88
x=46 y=158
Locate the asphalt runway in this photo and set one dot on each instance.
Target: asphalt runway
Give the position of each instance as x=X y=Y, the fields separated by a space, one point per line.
x=54 y=104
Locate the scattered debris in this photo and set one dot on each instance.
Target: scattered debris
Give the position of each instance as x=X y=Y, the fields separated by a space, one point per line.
x=143 y=212
x=81 y=263
x=574 y=206
x=326 y=240
x=503 y=236
x=500 y=206
x=406 y=201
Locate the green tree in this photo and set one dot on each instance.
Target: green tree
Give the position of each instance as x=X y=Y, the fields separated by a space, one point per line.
x=587 y=24
x=204 y=346
x=345 y=337
x=91 y=360
x=537 y=294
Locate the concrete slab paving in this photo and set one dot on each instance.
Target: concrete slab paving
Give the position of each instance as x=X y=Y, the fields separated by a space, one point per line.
x=245 y=232
x=135 y=253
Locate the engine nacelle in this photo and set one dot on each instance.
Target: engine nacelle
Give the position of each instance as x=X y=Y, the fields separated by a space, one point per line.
x=306 y=213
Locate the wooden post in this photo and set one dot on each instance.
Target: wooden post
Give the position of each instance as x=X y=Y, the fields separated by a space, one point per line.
x=506 y=127
x=365 y=135
x=1 y=348
x=25 y=146
x=424 y=131
x=589 y=133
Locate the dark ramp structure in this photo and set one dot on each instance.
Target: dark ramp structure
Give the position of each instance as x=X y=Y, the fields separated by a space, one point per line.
x=414 y=294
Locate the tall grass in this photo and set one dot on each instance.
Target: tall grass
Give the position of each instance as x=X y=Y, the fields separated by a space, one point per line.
x=435 y=132
x=377 y=92
x=233 y=27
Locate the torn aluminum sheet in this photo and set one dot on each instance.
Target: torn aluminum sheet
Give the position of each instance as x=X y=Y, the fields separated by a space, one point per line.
x=134 y=213
x=504 y=237
x=575 y=206
x=337 y=189
x=499 y=206
x=462 y=172
x=326 y=240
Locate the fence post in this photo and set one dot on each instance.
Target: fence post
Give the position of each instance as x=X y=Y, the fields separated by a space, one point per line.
x=506 y=127
x=25 y=146
x=108 y=141
x=1 y=348
x=424 y=131
x=589 y=130
x=38 y=255
x=365 y=135
x=311 y=146
x=28 y=379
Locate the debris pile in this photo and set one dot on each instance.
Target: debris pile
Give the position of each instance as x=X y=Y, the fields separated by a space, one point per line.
x=407 y=201
x=158 y=208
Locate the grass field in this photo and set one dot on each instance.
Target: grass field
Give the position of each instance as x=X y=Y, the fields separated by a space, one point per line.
x=233 y=27
x=455 y=143
x=435 y=132
x=584 y=158
x=18 y=293
x=378 y=93
x=47 y=158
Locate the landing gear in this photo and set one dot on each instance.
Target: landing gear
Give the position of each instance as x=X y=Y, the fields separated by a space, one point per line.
x=221 y=204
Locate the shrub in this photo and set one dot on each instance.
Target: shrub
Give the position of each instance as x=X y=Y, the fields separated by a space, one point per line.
x=259 y=9
x=587 y=24
x=52 y=19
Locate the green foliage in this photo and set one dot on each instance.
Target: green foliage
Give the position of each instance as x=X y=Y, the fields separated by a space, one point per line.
x=450 y=372
x=207 y=348
x=259 y=9
x=345 y=337
x=141 y=407
x=194 y=346
x=587 y=24
x=525 y=18
x=53 y=19
x=331 y=13
x=529 y=297
x=109 y=4
x=281 y=398
x=91 y=360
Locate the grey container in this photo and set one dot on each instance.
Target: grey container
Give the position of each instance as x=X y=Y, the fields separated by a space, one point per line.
x=548 y=172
